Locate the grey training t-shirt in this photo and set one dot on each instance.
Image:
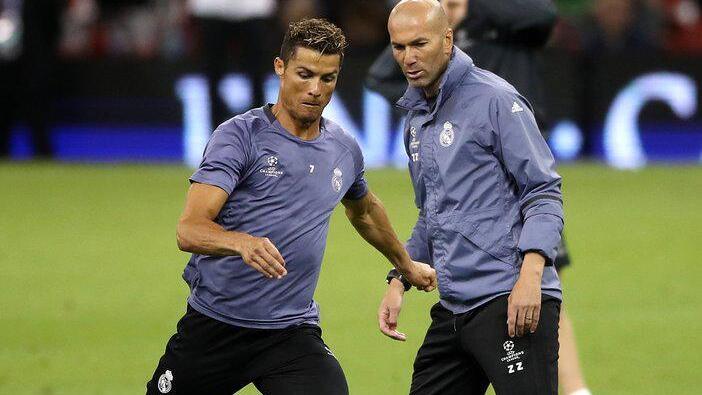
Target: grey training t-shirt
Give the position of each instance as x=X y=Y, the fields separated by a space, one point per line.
x=282 y=188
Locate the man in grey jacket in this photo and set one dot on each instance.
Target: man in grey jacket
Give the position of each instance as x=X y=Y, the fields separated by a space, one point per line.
x=490 y=217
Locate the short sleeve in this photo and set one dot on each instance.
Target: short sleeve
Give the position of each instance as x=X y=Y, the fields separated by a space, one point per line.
x=359 y=188
x=226 y=158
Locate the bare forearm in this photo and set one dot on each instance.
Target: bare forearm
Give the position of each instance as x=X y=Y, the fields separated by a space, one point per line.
x=533 y=266
x=374 y=226
x=207 y=238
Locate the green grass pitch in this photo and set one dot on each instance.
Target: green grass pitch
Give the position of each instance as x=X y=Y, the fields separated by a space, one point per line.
x=91 y=289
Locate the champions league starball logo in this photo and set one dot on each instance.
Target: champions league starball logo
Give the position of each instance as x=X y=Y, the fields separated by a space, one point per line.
x=512 y=354
x=508 y=346
x=272 y=169
x=337 y=180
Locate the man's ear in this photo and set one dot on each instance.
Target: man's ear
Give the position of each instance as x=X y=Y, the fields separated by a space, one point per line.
x=448 y=41
x=279 y=66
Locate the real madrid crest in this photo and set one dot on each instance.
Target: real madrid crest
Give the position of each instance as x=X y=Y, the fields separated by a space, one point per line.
x=446 y=135
x=337 y=180
x=164 y=382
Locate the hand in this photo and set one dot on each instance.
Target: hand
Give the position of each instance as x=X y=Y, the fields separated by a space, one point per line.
x=421 y=276
x=261 y=254
x=389 y=310
x=524 y=302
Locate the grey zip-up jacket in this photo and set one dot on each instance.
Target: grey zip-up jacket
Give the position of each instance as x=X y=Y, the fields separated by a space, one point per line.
x=485 y=183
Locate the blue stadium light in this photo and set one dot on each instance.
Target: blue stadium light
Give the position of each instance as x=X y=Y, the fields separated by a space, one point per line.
x=192 y=90
x=566 y=140
x=235 y=91
x=399 y=154
x=621 y=138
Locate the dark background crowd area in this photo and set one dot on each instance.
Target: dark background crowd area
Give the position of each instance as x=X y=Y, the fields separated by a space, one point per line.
x=174 y=29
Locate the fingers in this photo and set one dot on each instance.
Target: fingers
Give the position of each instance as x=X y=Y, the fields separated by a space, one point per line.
x=511 y=319
x=262 y=266
x=253 y=262
x=388 y=325
x=535 y=319
x=265 y=258
x=399 y=336
x=429 y=279
x=521 y=318
x=433 y=281
x=427 y=288
x=272 y=263
x=274 y=251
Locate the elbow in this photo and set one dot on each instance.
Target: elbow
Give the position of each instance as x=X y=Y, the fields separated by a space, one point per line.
x=182 y=237
x=183 y=244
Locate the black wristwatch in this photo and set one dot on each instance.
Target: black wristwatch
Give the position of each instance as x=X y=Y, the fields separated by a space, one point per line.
x=396 y=274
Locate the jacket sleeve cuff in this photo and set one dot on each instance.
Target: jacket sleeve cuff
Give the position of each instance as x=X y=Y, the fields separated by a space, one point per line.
x=541 y=233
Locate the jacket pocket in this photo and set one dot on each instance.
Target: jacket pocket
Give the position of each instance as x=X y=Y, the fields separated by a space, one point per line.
x=490 y=231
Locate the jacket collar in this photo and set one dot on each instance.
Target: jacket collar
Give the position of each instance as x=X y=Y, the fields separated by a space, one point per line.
x=459 y=65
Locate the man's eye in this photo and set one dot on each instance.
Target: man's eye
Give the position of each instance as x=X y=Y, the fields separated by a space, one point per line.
x=328 y=79
x=423 y=43
x=304 y=75
x=398 y=47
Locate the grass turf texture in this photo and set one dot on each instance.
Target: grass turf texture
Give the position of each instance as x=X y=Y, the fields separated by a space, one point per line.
x=91 y=288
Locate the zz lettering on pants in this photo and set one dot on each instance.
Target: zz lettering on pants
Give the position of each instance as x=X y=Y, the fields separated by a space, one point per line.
x=515 y=367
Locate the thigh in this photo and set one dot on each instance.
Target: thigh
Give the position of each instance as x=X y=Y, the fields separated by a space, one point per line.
x=197 y=359
x=521 y=365
x=441 y=367
x=300 y=363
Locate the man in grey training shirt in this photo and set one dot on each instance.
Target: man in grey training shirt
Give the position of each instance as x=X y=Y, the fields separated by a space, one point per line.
x=256 y=220
x=490 y=218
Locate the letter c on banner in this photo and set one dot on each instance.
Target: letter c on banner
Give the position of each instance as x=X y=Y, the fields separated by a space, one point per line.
x=621 y=137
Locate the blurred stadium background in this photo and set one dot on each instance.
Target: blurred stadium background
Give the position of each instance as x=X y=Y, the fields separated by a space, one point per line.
x=106 y=105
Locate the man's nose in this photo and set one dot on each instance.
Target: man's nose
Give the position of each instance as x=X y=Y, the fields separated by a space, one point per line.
x=410 y=57
x=315 y=88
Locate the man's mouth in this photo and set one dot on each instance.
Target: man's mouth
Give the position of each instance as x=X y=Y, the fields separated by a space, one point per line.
x=310 y=104
x=414 y=74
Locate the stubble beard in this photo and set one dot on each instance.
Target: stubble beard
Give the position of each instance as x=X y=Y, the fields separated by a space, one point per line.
x=304 y=119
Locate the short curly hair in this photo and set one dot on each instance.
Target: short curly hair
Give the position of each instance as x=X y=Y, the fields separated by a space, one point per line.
x=317 y=34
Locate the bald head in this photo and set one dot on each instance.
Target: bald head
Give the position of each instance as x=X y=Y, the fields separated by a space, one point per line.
x=422 y=42
x=427 y=13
